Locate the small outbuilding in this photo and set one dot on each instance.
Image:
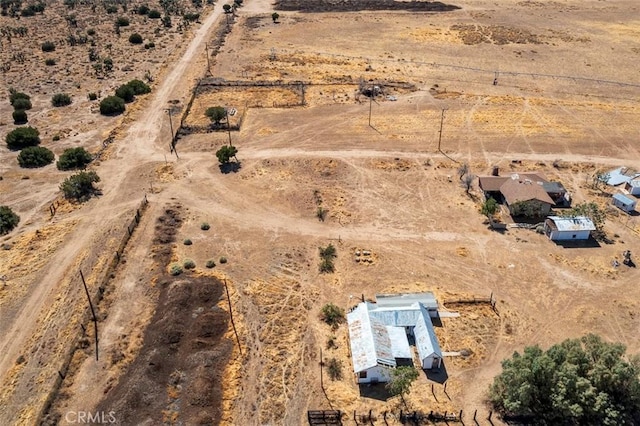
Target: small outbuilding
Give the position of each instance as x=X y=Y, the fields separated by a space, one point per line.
x=624 y=203
x=561 y=228
x=633 y=187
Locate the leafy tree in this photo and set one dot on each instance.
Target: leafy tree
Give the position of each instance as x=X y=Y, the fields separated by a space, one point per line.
x=332 y=315
x=139 y=87
x=112 y=105
x=22 y=137
x=14 y=96
x=74 y=158
x=401 y=380
x=599 y=178
x=60 y=100
x=227 y=8
x=143 y=10
x=8 y=220
x=327 y=254
x=216 y=114
x=126 y=93
x=20 y=117
x=122 y=22
x=154 y=14
x=590 y=210
x=35 y=156
x=578 y=382
x=48 y=46
x=274 y=17
x=463 y=170
x=80 y=186
x=22 y=104
x=489 y=207
x=225 y=154
x=529 y=209
x=135 y=38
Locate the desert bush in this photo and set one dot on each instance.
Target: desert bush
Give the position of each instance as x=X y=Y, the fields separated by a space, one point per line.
x=35 y=156
x=143 y=10
x=74 y=158
x=92 y=96
x=139 y=87
x=227 y=8
x=135 y=38
x=8 y=220
x=150 y=45
x=334 y=368
x=22 y=137
x=91 y=32
x=175 y=269
x=48 y=46
x=79 y=186
x=122 y=21
x=332 y=315
x=20 y=117
x=55 y=138
x=154 y=14
x=60 y=100
x=49 y=62
x=327 y=254
x=223 y=259
x=14 y=96
x=210 y=264
x=166 y=21
x=331 y=342
x=205 y=226
x=189 y=264
x=112 y=105
x=93 y=55
x=22 y=103
x=126 y=93
x=111 y=9
x=187 y=242
x=192 y=17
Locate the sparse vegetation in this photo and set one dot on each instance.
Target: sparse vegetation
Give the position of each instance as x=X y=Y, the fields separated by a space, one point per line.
x=210 y=264
x=334 y=368
x=8 y=220
x=48 y=46
x=112 y=105
x=467 y=182
x=225 y=154
x=578 y=382
x=143 y=10
x=22 y=103
x=154 y=14
x=92 y=96
x=187 y=242
x=139 y=87
x=60 y=100
x=274 y=17
x=227 y=8
x=463 y=170
x=22 y=137
x=331 y=342
x=327 y=255
x=189 y=264
x=216 y=114
x=17 y=99
x=80 y=186
x=35 y=156
x=321 y=213
x=223 y=260
x=126 y=93
x=175 y=269
x=74 y=158
x=122 y=21
x=332 y=315
x=205 y=226
x=401 y=380
x=49 y=62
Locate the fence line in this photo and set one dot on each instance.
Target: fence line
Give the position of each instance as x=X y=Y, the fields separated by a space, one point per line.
x=96 y=297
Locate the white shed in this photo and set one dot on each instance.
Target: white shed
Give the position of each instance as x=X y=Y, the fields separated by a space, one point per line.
x=624 y=203
x=633 y=186
x=559 y=228
x=427 y=342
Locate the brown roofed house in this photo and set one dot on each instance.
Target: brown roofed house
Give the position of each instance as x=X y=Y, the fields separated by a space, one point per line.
x=526 y=197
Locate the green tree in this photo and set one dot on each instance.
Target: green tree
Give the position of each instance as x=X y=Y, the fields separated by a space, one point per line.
x=154 y=14
x=79 y=186
x=14 y=95
x=216 y=114
x=35 y=156
x=112 y=105
x=135 y=38
x=227 y=8
x=74 y=158
x=126 y=93
x=327 y=254
x=274 y=17
x=122 y=22
x=489 y=207
x=22 y=137
x=60 y=100
x=48 y=46
x=578 y=382
x=20 y=116
x=139 y=87
x=590 y=210
x=21 y=103
x=8 y=220
x=332 y=315
x=401 y=380
x=225 y=154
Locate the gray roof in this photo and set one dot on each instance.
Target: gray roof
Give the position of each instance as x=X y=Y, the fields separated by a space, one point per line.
x=406 y=299
x=399 y=342
x=553 y=187
x=624 y=199
x=620 y=175
x=405 y=316
x=578 y=223
x=369 y=339
x=426 y=340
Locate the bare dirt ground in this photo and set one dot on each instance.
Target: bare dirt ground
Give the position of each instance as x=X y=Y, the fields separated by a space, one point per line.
x=386 y=189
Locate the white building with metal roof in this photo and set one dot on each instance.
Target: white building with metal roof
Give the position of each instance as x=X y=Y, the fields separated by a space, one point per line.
x=561 y=228
x=380 y=333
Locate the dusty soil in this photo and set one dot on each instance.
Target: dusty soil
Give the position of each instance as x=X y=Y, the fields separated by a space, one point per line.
x=565 y=92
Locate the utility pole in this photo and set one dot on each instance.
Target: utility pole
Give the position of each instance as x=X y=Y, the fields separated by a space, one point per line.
x=173 y=139
x=206 y=49
x=440 y=132
x=93 y=312
x=226 y=110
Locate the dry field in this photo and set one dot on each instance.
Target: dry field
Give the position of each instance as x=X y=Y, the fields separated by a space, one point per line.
x=560 y=70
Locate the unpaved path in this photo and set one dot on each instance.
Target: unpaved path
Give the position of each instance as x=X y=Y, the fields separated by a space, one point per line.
x=141 y=143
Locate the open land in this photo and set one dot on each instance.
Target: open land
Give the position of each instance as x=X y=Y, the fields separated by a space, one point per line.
x=565 y=104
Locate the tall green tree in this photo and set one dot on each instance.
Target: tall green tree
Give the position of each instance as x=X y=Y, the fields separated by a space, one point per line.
x=577 y=382
x=8 y=220
x=489 y=207
x=80 y=186
x=22 y=137
x=401 y=380
x=225 y=154
x=216 y=114
x=590 y=210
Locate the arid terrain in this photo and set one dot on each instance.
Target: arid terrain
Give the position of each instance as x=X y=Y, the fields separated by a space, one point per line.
x=239 y=343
